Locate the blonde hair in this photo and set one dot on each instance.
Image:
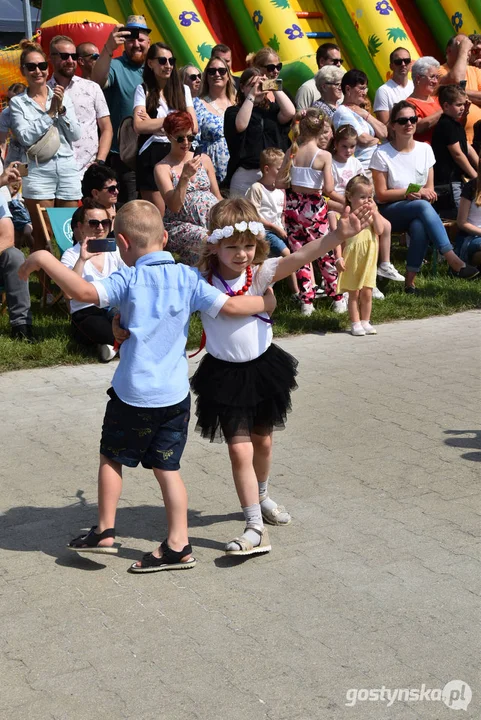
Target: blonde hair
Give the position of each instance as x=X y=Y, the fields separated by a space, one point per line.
x=60 y=39
x=259 y=58
x=307 y=124
x=141 y=222
x=229 y=212
x=270 y=155
x=353 y=184
x=230 y=90
x=27 y=47
x=344 y=132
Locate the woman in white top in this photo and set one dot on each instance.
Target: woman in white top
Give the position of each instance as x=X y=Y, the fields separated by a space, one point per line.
x=161 y=93
x=368 y=128
x=403 y=177
x=307 y=170
x=92 y=325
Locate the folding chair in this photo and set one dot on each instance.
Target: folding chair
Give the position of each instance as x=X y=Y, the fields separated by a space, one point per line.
x=57 y=231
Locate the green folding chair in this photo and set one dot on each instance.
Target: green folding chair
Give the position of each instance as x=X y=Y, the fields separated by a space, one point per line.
x=57 y=231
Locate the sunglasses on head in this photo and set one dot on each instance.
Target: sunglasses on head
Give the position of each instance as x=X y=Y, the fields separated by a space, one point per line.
x=271 y=67
x=194 y=76
x=404 y=120
x=112 y=189
x=31 y=67
x=212 y=71
x=180 y=138
x=94 y=56
x=401 y=61
x=163 y=61
x=94 y=223
x=66 y=56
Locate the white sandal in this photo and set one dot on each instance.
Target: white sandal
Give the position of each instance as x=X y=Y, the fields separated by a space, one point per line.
x=275 y=516
x=245 y=545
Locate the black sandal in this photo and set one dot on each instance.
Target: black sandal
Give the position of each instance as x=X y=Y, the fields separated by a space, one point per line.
x=89 y=543
x=170 y=560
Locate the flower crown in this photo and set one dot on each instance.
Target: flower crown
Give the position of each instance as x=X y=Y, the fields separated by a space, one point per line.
x=256 y=228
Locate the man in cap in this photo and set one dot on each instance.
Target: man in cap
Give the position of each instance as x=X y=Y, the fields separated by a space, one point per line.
x=119 y=78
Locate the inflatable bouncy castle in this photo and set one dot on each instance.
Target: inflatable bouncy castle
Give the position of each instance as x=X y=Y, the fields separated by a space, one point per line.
x=366 y=30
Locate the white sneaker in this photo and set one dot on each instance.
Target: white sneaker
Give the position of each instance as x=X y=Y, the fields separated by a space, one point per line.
x=357 y=329
x=106 y=353
x=377 y=294
x=387 y=270
x=307 y=308
x=339 y=306
x=368 y=328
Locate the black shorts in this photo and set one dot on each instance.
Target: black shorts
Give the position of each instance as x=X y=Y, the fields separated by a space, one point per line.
x=155 y=437
x=146 y=161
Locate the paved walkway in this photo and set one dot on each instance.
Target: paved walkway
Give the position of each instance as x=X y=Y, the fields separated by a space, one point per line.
x=376 y=582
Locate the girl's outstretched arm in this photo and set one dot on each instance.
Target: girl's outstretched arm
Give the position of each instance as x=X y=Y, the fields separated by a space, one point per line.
x=348 y=225
x=68 y=281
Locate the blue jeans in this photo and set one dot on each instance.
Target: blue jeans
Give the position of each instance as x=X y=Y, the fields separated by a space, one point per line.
x=467 y=245
x=276 y=244
x=421 y=221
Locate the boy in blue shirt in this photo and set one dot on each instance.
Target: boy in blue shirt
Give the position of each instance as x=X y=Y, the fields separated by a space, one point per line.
x=147 y=416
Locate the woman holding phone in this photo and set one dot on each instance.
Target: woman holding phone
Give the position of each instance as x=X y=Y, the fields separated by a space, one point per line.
x=253 y=124
x=403 y=176
x=92 y=325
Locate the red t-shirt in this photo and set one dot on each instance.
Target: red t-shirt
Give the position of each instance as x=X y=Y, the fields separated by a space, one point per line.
x=425 y=108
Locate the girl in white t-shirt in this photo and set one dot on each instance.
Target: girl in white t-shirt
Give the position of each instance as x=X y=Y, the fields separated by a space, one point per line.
x=243 y=384
x=345 y=166
x=161 y=93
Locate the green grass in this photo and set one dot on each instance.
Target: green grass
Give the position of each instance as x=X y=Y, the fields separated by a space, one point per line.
x=441 y=295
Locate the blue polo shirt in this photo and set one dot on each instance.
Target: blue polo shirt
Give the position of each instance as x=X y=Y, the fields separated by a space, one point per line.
x=124 y=76
x=155 y=299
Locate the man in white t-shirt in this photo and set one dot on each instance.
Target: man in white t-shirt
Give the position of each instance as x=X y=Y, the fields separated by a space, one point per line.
x=399 y=87
x=327 y=54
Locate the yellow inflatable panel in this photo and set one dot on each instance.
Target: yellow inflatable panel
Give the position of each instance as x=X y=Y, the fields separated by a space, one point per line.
x=461 y=17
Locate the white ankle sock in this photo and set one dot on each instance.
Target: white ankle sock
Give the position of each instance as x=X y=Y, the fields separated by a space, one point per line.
x=253 y=516
x=267 y=503
x=263 y=487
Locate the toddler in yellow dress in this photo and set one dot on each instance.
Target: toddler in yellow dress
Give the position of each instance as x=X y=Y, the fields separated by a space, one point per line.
x=358 y=266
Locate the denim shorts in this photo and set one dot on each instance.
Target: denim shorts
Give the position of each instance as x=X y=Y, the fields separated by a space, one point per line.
x=58 y=179
x=155 y=437
x=20 y=216
x=276 y=244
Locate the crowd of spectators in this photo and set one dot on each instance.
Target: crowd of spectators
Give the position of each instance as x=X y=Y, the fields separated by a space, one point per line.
x=198 y=133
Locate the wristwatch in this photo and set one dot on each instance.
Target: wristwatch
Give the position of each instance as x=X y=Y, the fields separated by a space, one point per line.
x=99 y=162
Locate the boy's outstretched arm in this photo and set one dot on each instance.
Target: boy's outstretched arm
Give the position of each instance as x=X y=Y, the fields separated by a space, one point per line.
x=250 y=304
x=68 y=281
x=348 y=225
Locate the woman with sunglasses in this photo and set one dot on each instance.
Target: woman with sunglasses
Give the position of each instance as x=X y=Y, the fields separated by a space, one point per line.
x=252 y=125
x=192 y=77
x=100 y=183
x=216 y=95
x=55 y=182
x=189 y=189
x=161 y=93
x=92 y=325
x=352 y=112
x=328 y=83
x=403 y=178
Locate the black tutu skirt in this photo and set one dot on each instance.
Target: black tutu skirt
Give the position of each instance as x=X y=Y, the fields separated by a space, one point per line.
x=238 y=399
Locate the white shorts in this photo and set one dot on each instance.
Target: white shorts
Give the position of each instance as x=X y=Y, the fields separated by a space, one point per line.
x=57 y=179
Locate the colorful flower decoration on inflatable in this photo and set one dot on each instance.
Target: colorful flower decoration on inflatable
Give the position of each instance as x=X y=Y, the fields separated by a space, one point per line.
x=294 y=32
x=257 y=18
x=383 y=7
x=187 y=17
x=457 y=21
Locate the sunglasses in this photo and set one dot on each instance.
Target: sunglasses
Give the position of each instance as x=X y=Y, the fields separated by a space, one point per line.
x=194 y=76
x=222 y=71
x=66 y=56
x=180 y=138
x=94 y=56
x=31 y=67
x=401 y=61
x=112 y=189
x=405 y=120
x=336 y=61
x=94 y=223
x=271 y=67
x=163 y=60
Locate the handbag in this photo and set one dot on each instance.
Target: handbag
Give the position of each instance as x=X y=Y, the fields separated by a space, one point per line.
x=128 y=142
x=44 y=149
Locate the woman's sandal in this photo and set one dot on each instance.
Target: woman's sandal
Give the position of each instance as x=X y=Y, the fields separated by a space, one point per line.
x=275 y=516
x=89 y=543
x=170 y=560
x=246 y=547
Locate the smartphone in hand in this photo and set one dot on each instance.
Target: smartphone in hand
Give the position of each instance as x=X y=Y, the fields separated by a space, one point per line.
x=101 y=245
x=22 y=169
x=272 y=85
